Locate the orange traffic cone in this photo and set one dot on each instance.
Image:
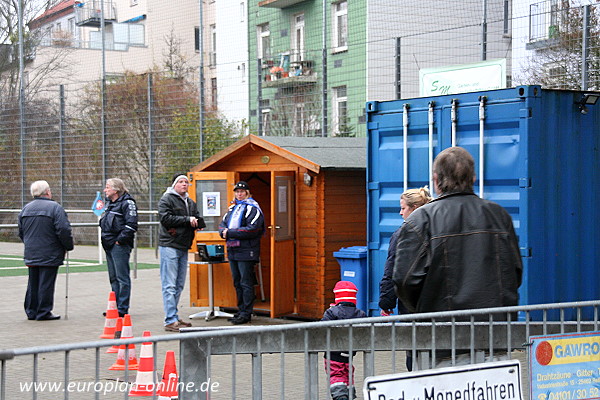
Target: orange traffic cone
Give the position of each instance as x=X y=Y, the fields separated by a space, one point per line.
x=126 y=333
x=146 y=378
x=110 y=323
x=115 y=348
x=168 y=386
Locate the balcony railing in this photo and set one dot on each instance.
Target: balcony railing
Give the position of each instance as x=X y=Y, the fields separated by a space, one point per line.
x=278 y=3
x=90 y=13
x=545 y=20
x=285 y=74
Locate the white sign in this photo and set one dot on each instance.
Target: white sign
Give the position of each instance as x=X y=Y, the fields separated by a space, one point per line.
x=211 y=204
x=486 y=75
x=488 y=381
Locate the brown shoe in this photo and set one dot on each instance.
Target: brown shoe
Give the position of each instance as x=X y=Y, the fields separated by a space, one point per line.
x=174 y=327
x=185 y=324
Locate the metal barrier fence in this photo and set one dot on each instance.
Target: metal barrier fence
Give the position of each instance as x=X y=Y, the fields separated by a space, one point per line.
x=282 y=361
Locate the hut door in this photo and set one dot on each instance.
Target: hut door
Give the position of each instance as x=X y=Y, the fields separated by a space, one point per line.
x=282 y=232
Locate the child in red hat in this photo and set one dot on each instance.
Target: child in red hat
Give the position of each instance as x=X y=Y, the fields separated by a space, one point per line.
x=339 y=362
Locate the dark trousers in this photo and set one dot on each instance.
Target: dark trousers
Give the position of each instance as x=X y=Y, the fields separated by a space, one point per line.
x=243 y=281
x=117 y=261
x=39 y=298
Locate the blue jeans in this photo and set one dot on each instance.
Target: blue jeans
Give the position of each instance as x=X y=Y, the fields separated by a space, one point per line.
x=117 y=259
x=243 y=281
x=173 y=268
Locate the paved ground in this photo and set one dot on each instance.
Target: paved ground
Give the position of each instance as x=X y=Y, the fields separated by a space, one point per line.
x=87 y=299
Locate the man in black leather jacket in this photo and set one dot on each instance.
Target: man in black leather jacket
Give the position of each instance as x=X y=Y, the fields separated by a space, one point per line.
x=459 y=251
x=119 y=223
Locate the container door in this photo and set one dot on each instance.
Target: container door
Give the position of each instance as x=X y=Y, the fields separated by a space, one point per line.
x=282 y=233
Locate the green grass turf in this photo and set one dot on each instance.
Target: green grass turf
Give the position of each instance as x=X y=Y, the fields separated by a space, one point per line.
x=8 y=264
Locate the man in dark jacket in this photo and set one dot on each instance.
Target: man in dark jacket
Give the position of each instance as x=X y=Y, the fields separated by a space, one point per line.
x=242 y=227
x=46 y=232
x=179 y=219
x=459 y=251
x=119 y=224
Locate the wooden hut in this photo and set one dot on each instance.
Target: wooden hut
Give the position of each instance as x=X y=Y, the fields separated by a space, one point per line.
x=313 y=195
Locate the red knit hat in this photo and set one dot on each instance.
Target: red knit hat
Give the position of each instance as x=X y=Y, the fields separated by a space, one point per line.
x=345 y=291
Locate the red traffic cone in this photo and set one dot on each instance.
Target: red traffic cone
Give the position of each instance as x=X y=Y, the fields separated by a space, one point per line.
x=146 y=378
x=168 y=386
x=110 y=322
x=126 y=333
x=115 y=348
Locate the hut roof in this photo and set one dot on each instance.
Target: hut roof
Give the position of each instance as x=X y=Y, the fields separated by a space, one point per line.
x=314 y=153
x=328 y=152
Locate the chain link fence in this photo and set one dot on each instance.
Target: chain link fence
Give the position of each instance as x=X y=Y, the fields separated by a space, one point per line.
x=145 y=124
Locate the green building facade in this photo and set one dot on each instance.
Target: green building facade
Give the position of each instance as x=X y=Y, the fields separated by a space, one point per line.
x=288 y=71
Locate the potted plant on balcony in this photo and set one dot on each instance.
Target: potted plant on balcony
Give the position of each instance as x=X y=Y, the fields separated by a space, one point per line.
x=276 y=72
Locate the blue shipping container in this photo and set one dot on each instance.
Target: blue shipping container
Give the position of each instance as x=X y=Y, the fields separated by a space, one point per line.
x=538 y=152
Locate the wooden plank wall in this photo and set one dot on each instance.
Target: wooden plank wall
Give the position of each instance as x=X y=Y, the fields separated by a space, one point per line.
x=332 y=214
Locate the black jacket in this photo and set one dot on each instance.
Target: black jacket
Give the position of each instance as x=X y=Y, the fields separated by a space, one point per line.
x=457 y=252
x=243 y=243
x=342 y=310
x=46 y=232
x=175 y=228
x=119 y=222
x=387 y=293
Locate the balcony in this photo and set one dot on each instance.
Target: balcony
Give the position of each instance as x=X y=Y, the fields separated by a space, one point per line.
x=278 y=3
x=90 y=13
x=545 y=22
x=298 y=73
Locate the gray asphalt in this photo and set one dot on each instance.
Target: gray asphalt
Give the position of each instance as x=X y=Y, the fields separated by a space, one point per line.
x=87 y=299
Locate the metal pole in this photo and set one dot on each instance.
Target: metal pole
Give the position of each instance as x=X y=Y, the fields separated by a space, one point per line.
x=484 y=32
x=405 y=145
x=67 y=286
x=22 y=103
x=61 y=135
x=324 y=122
x=259 y=97
x=201 y=77
x=585 y=48
x=398 y=59
x=103 y=94
x=151 y=150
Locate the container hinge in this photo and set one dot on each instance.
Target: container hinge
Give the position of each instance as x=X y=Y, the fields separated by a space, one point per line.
x=525 y=112
x=524 y=182
x=373 y=186
x=373 y=245
x=372 y=126
x=525 y=252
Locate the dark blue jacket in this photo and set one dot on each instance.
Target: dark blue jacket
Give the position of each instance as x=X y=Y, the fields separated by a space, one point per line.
x=342 y=310
x=243 y=243
x=119 y=221
x=46 y=232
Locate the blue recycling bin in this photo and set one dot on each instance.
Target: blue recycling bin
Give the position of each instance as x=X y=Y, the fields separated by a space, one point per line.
x=353 y=268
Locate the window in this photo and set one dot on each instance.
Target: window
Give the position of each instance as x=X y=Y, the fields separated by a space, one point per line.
x=340 y=26
x=298 y=37
x=71 y=23
x=264 y=41
x=213 y=45
x=242 y=68
x=340 y=111
x=242 y=11
x=213 y=93
x=197 y=39
x=266 y=121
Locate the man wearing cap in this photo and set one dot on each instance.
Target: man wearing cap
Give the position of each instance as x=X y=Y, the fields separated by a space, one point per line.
x=242 y=228
x=179 y=219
